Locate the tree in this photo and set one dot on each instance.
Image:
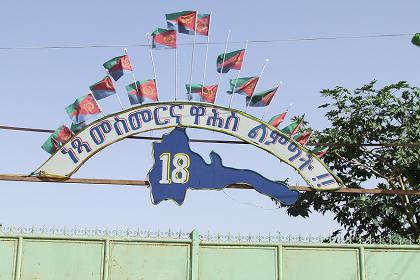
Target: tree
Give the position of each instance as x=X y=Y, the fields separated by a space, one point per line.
x=371 y=116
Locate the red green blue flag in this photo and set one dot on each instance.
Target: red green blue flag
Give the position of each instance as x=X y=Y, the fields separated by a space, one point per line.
x=83 y=108
x=103 y=88
x=232 y=60
x=244 y=86
x=202 y=93
x=142 y=92
x=60 y=136
x=163 y=39
x=203 y=24
x=320 y=151
x=293 y=128
x=261 y=99
x=183 y=21
x=277 y=119
x=303 y=138
x=118 y=66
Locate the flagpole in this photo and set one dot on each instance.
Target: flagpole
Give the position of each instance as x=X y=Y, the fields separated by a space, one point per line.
x=192 y=54
x=223 y=62
x=134 y=77
x=268 y=107
x=97 y=103
x=259 y=79
x=207 y=52
x=116 y=92
x=237 y=76
x=176 y=74
x=153 y=64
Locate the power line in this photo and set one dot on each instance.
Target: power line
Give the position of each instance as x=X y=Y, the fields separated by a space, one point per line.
x=124 y=182
x=410 y=145
x=304 y=39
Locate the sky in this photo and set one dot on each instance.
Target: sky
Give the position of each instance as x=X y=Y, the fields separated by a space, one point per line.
x=38 y=83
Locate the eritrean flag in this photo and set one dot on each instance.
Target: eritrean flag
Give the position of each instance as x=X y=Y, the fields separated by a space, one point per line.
x=60 y=136
x=303 y=138
x=293 y=128
x=163 y=39
x=244 y=86
x=261 y=99
x=320 y=151
x=203 y=24
x=118 y=66
x=103 y=88
x=83 y=108
x=277 y=119
x=202 y=93
x=232 y=60
x=144 y=92
x=183 y=21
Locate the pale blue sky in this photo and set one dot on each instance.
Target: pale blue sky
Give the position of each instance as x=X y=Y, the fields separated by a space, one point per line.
x=37 y=84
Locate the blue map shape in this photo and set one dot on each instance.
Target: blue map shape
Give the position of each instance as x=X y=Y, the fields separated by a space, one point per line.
x=206 y=176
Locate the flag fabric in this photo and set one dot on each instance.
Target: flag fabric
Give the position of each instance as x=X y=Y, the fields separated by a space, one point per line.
x=292 y=128
x=163 y=39
x=60 y=136
x=77 y=127
x=277 y=119
x=233 y=60
x=103 y=88
x=244 y=86
x=261 y=99
x=320 y=151
x=202 y=93
x=203 y=24
x=83 y=108
x=416 y=40
x=118 y=66
x=303 y=138
x=145 y=92
x=183 y=21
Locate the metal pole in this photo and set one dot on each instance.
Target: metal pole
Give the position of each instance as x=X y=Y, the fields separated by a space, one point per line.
x=100 y=108
x=134 y=78
x=176 y=74
x=192 y=54
x=153 y=63
x=266 y=110
x=259 y=79
x=207 y=52
x=237 y=76
x=116 y=93
x=223 y=62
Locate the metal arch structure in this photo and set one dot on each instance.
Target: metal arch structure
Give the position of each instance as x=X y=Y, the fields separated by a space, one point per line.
x=163 y=115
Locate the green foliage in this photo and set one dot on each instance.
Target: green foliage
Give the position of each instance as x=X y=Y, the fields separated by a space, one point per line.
x=371 y=116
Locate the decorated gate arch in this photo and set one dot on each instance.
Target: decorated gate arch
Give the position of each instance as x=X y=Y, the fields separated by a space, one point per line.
x=163 y=115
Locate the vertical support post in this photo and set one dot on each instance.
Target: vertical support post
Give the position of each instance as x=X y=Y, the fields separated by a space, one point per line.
x=195 y=254
x=280 y=262
x=105 y=270
x=19 y=258
x=362 y=263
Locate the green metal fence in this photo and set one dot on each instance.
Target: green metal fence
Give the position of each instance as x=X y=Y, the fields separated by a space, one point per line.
x=133 y=254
